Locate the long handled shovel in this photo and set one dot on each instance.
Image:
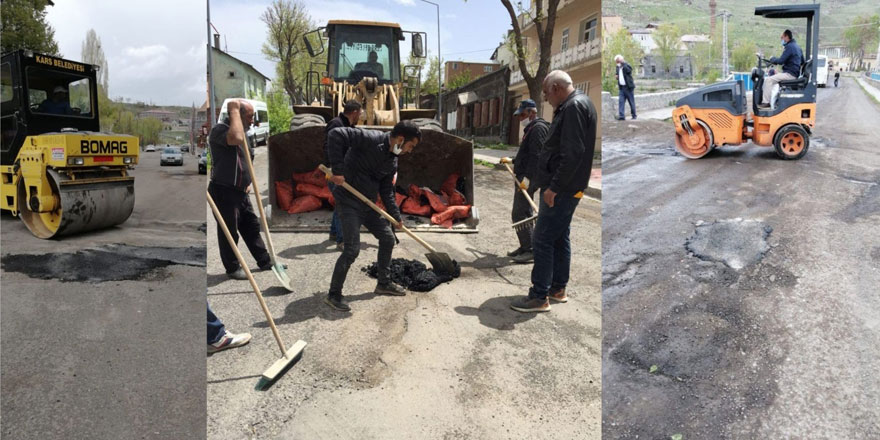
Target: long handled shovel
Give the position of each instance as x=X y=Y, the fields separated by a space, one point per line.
x=287 y=356
x=529 y=222
x=441 y=262
x=277 y=268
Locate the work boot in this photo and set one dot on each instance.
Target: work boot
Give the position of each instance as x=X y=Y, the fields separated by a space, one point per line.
x=340 y=246
x=237 y=274
x=524 y=258
x=229 y=340
x=557 y=294
x=335 y=302
x=526 y=305
x=389 y=289
x=516 y=252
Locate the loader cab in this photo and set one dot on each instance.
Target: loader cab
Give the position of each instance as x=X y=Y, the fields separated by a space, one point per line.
x=357 y=51
x=44 y=94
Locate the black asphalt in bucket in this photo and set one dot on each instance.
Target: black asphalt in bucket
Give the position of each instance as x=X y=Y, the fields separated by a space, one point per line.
x=414 y=275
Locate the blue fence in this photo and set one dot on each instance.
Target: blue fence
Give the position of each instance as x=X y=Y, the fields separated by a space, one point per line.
x=746 y=78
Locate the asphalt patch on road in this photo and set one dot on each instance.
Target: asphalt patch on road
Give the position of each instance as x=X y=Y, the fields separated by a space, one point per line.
x=413 y=274
x=115 y=262
x=737 y=243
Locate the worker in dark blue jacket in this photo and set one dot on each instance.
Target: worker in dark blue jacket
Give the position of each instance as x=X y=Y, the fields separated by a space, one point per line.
x=791 y=59
x=367 y=160
x=351 y=113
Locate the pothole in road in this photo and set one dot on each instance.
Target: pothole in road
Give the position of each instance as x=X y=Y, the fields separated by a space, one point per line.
x=115 y=262
x=737 y=243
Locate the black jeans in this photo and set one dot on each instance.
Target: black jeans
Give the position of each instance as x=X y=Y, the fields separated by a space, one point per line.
x=551 y=245
x=352 y=217
x=521 y=211
x=238 y=214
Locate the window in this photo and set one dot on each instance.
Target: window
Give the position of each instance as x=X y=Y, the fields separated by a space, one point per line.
x=231 y=74
x=588 y=30
x=7 y=82
x=487 y=69
x=653 y=69
x=454 y=66
x=58 y=93
x=262 y=117
x=680 y=69
x=584 y=87
x=363 y=51
x=564 y=46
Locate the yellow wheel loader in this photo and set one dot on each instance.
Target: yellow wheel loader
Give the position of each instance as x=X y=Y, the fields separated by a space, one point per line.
x=363 y=63
x=60 y=175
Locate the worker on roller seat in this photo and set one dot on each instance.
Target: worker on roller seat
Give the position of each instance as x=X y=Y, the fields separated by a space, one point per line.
x=791 y=59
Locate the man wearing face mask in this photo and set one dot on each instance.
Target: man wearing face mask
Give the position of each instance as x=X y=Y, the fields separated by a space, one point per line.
x=524 y=165
x=229 y=187
x=564 y=167
x=791 y=60
x=366 y=160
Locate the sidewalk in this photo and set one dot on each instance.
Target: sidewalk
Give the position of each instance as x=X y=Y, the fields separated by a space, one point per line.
x=870 y=88
x=594 y=190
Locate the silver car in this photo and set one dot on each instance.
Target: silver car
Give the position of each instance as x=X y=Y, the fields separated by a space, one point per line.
x=171 y=155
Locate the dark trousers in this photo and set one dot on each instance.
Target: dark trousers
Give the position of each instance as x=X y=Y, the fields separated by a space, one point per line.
x=551 y=245
x=352 y=217
x=216 y=330
x=238 y=214
x=521 y=211
x=625 y=94
x=335 y=225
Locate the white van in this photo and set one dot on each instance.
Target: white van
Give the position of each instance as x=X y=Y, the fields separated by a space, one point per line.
x=260 y=129
x=822 y=71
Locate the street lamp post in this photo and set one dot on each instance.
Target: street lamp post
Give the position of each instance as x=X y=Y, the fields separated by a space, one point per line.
x=439 y=63
x=210 y=108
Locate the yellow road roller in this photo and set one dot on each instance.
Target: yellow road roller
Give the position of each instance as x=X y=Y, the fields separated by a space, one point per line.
x=60 y=174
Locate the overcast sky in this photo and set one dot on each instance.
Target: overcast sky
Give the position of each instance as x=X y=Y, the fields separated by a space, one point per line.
x=156 y=49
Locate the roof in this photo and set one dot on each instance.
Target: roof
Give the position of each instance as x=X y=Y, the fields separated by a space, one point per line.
x=364 y=23
x=243 y=63
x=692 y=38
x=789 y=11
x=641 y=31
x=482 y=63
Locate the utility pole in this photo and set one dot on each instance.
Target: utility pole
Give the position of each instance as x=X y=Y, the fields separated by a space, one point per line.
x=724 y=56
x=439 y=64
x=211 y=114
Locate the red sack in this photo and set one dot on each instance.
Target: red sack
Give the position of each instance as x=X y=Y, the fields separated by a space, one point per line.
x=306 y=203
x=415 y=192
x=446 y=217
x=303 y=189
x=283 y=195
x=399 y=198
x=315 y=177
x=437 y=204
x=380 y=204
x=449 y=185
x=456 y=198
x=413 y=206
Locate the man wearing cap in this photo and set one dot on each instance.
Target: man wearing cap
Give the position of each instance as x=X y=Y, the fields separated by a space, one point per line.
x=351 y=113
x=57 y=104
x=524 y=166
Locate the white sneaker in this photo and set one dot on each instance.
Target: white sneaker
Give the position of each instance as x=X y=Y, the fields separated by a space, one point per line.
x=229 y=340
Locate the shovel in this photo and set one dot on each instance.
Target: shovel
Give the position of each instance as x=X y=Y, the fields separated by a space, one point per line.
x=529 y=222
x=441 y=262
x=277 y=268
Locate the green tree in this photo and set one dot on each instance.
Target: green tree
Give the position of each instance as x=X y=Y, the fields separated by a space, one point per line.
x=667 y=39
x=862 y=34
x=459 y=80
x=280 y=112
x=427 y=78
x=743 y=55
x=430 y=84
x=25 y=27
x=286 y=22
x=621 y=43
x=92 y=53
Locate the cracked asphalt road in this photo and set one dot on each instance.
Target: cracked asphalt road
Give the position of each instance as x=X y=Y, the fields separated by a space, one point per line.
x=452 y=363
x=102 y=327
x=740 y=293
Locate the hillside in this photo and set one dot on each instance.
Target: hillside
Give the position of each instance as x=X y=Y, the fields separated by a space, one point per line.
x=693 y=17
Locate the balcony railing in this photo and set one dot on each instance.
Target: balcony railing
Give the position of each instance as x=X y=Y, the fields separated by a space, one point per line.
x=567 y=58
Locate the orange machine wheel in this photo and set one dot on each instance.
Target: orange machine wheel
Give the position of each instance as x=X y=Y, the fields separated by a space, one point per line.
x=791 y=142
x=697 y=145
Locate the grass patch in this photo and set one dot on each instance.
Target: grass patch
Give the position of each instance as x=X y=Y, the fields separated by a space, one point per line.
x=869 y=94
x=484 y=163
x=497 y=146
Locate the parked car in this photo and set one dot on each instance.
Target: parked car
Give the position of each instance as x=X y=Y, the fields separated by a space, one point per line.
x=150 y=149
x=260 y=129
x=171 y=155
x=203 y=164
x=184 y=148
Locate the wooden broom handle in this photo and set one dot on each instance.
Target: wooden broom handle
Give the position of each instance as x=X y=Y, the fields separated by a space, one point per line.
x=519 y=184
x=263 y=220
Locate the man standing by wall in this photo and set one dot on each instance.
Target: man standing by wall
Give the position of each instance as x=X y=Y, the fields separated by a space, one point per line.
x=524 y=166
x=626 y=88
x=229 y=187
x=351 y=113
x=562 y=175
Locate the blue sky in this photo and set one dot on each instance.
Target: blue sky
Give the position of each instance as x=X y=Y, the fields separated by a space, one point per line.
x=156 y=49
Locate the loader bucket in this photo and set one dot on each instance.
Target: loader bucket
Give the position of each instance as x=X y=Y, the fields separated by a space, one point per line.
x=437 y=156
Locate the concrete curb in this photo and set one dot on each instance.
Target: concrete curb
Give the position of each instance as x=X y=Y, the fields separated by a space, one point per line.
x=594 y=190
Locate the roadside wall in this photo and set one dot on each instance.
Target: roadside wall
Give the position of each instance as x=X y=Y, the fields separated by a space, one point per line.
x=645 y=101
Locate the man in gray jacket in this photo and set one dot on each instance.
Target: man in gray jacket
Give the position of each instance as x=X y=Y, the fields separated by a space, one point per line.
x=564 y=167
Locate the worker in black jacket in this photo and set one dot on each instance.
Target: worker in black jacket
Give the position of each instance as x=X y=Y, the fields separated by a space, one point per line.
x=351 y=113
x=625 y=87
x=524 y=165
x=367 y=160
x=563 y=172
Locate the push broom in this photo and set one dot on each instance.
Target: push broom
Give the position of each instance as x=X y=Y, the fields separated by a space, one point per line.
x=529 y=222
x=441 y=262
x=277 y=268
x=287 y=356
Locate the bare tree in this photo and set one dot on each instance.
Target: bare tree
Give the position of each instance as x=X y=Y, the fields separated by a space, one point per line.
x=92 y=53
x=544 y=26
x=286 y=22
